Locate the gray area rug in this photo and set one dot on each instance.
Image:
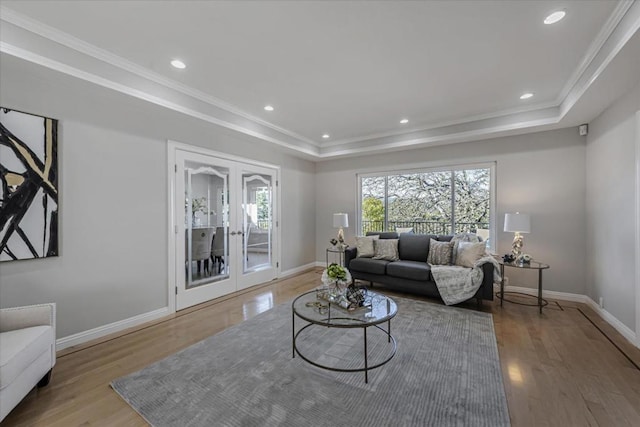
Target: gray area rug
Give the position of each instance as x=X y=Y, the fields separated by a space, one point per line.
x=446 y=372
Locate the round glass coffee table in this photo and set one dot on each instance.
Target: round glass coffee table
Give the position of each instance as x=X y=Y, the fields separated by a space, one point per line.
x=378 y=309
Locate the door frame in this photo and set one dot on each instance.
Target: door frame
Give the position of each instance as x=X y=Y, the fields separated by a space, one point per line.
x=172 y=146
x=637 y=233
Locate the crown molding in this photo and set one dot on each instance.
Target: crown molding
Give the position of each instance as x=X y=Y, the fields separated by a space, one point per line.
x=74 y=43
x=619 y=28
x=605 y=32
x=118 y=87
x=443 y=124
x=482 y=132
x=626 y=26
x=569 y=91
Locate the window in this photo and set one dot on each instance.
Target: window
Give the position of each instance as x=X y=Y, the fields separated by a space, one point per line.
x=450 y=201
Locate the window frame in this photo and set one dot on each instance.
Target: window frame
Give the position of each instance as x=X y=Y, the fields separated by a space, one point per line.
x=492 y=166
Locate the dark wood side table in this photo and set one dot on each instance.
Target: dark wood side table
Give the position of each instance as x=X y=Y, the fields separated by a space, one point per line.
x=533 y=265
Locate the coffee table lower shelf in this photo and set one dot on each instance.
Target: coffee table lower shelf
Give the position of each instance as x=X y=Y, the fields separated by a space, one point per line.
x=366 y=367
x=317 y=313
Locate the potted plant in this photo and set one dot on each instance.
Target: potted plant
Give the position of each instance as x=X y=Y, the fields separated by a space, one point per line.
x=336 y=278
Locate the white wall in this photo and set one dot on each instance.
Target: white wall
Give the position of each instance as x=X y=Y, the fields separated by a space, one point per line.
x=611 y=215
x=113 y=188
x=541 y=174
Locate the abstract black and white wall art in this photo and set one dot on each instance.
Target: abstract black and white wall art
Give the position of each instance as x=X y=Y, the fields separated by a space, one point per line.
x=29 y=195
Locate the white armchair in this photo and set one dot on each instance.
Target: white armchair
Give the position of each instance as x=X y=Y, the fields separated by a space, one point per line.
x=27 y=351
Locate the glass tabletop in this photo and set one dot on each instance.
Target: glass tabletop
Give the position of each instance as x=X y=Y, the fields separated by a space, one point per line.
x=377 y=309
x=535 y=265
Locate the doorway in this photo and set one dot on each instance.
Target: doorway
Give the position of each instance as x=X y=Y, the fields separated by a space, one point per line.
x=224 y=228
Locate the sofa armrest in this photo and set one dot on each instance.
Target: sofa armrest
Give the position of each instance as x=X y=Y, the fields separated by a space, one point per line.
x=28 y=316
x=349 y=254
x=486 y=289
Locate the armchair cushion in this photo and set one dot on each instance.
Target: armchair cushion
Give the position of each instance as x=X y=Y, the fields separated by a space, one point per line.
x=27 y=351
x=20 y=348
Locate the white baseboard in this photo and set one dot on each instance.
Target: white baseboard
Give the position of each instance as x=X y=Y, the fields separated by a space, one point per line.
x=623 y=329
x=618 y=325
x=121 y=325
x=564 y=296
x=297 y=270
x=101 y=331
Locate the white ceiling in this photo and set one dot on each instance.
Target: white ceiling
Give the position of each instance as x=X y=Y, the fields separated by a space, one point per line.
x=455 y=69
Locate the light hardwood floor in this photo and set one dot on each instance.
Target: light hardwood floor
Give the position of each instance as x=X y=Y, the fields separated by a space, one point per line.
x=558 y=368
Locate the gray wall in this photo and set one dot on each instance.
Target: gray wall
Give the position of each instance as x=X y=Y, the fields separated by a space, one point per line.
x=611 y=212
x=541 y=174
x=113 y=199
x=113 y=185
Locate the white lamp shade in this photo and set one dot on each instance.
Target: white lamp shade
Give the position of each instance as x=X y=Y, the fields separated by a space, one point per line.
x=340 y=220
x=517 y=222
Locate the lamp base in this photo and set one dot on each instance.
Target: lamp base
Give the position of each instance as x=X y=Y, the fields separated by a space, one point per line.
x=516 y=246
x=341 y=236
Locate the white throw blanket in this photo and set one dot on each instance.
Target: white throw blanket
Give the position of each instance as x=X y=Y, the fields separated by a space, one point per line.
x=457 y=284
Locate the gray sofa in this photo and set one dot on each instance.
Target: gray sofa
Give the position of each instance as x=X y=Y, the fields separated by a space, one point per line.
x=411 y=273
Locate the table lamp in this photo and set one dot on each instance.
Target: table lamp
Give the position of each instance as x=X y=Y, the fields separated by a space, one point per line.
x=340 y=220
x=517 y=223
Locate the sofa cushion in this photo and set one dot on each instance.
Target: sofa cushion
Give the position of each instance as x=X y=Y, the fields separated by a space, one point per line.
x=384 y=234
x=364 y=246
x=386 y=249
x=440 y=252
x=414 y=247
x=413 y=270
x=19 y=348
x=369 y=265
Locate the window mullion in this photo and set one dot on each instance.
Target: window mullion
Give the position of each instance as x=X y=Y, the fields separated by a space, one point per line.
x=453 y=203
x=385 y=225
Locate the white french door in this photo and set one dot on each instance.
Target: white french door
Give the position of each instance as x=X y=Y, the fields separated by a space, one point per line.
x=224 y=234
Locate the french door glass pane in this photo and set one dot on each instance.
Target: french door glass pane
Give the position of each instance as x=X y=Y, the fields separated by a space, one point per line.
x=257 y=205
x=206 y=221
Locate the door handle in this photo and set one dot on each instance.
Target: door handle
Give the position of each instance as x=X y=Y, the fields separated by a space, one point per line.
x=233 y=233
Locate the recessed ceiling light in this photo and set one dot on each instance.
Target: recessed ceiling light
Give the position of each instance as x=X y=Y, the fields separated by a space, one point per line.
x=526 y=95
x=326 y=136
x=268 y=107
x=178 y=64
x=404 y=121
x=554 y=17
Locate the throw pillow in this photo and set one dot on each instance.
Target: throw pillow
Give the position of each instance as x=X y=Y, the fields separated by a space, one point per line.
x=364 y=246
x=439 y=252
x=469 y=253
x=462 y=237
x=386 y=249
